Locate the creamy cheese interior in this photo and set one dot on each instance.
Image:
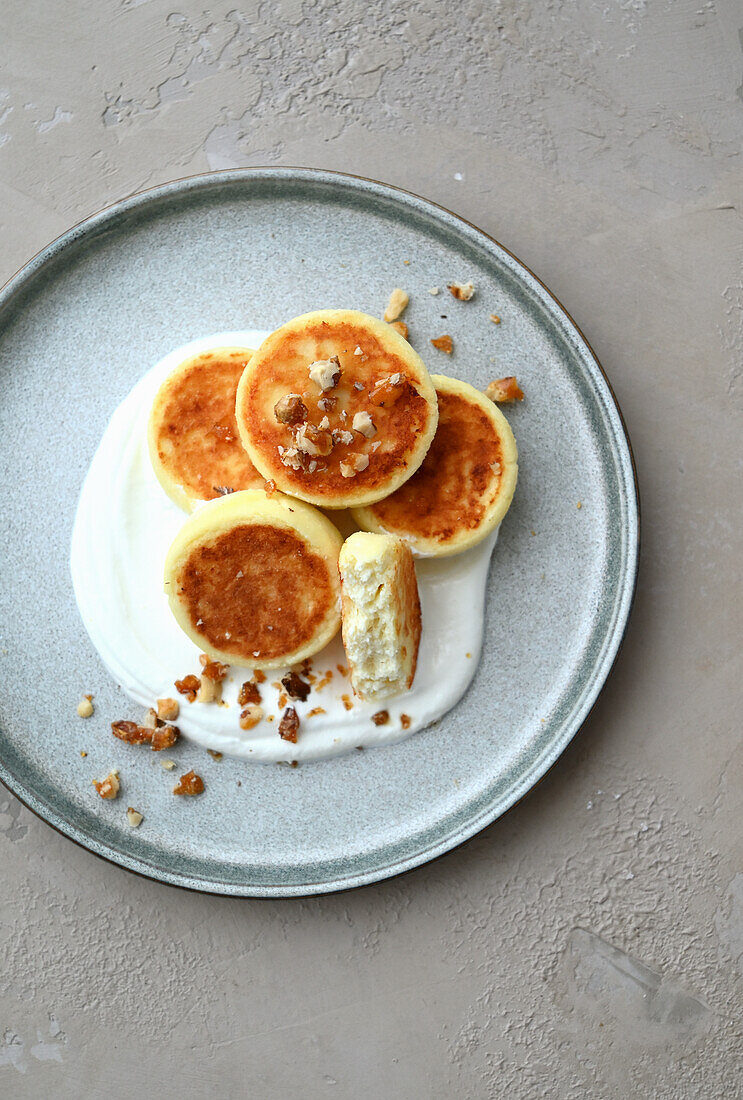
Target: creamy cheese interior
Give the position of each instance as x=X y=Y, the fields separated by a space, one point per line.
x=123 y=528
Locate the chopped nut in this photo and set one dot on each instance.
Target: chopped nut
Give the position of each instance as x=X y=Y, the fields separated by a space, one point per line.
x=462 y=291
x=314 y=441
x=326 y=373
x=190 y=783
x=324 y=424
x=134 y=817
x=405 y=721
x=188 y=686
x=164 y=738
x=269 y=487
x=341 y=435
x=108 y=787
x=381 y=718
x=290 y=409
x=291 y=457
x=131 y=732
x=363 y=423
x=213 y=670
x=296 y=687
x=167 y=709
x=434 y=290
x=214 y=754
x=396 y=305
x=250 y=717
x=444 y=343
x=150 y=719
x=504 y=390
x=289 y=725
x=358 y=350
x=249 y=693
x=327 y=404
x=495 y=318
x=356 y=463
x=85 y=707
x=210 y=690
x=258 y=676
x=400 y=327
x=388 y=390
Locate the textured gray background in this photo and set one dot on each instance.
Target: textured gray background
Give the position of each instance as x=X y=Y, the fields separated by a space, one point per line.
x=591 y=942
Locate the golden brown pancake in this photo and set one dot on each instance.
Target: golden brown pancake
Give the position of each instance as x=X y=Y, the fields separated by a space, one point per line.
x=253 y=580
x=465 y=485
x=336 y=433
x=194 y=443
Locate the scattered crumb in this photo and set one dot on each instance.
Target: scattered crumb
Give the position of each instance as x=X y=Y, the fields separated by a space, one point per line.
x=495 y=318
x=381 y=718
x=168 y=709
x=406 y=262
x=315 y=711
x=468 y=654
x=359 y=748
x=134 y=817
x=190 y=783
x=270 y=717
x=342 y=669
x=462 y=291
x=401 y=327
x=347 y=702
x=259 y=676
x=397 y=304
x=283 y=699
x=504 y=390
x=444 y=343
x=579 y=504
x=405 y=721
x=434 y=290
x=324 y=680
x=533 y=533
x=108 y=787
x=85 y=707
x=168 y=765
x=83 y=752
x=216 y=755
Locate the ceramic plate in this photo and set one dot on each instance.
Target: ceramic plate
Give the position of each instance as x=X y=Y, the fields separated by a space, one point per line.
x=249 y=249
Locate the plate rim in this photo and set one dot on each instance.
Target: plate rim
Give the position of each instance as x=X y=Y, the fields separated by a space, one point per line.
x=534 y=776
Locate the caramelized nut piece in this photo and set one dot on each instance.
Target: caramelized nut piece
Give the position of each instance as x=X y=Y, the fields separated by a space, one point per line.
x=381 y=718
x=164 y=737
x=444 y=343
x=356 y=463
x=131 y=732
x=291 y=457
x=210 y=690
x=314 y=441
x=213 y=670
x=108 y=787
x=396 y=305
x=290 y=409
x=326 y=373
x=249 y=693
x=190 y=783
x=85 y=706
x=401 y=327
x=363 y=423
x=327 y=404
x=341 y=435
x=250 y=717
x=462 y=291
x=295 y=686
x=134 y=817
x=188 y=686
x=387 y=390
x=289 y=725
x=504 y=390
x=167 y=709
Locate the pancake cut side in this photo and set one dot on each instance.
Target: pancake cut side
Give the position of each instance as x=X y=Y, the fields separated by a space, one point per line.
x=194 y=443
x=253 y=580
x=336 y=408
x=465 y=485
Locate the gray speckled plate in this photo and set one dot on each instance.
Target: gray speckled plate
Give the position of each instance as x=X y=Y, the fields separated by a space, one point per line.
x=251 y=248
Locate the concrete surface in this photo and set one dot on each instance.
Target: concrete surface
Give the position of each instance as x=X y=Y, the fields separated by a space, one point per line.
x=590 y=943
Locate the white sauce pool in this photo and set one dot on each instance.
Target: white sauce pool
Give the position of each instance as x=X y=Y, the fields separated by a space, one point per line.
x=123 y=528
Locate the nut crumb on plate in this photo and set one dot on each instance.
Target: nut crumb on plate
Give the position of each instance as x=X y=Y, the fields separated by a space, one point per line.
x=150 y=719
x=495 y=318
x=433 y=290
x=444 y=343
x=396 y=305
x=216 y=755
x=134 y=817
x=85 y=707
x=190 y=783
x=108 y=787
x=168 y=709
x=462 y=291
x=168 y=765
x=210 y=691
x=504 y=390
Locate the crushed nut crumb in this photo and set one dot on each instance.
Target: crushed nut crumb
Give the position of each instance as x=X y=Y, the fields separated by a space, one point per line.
x=164 y=738
x=314 y=441
x=250 y=717
x=433 y=290
x=347 y=702
x=258 y=675
x=326 y=373
x=249 y=693
x=381 y=718
x=223 y=490
x=358 y=350
x=364 y=424
x=504 y=390
x=289 y=725
x=327 y=404
x=213 y=670
x=495 y=318
x=291 y=458
x=444 y=343
x=167 y=709
x=405 y=721
x=108 y=787
x=315 y=711
x=85 y=707
x=134 y=817
x=396 y=305
x=356 y=463
x=131 y=732
x=190 y=783
x=462 y=291
x=295 y=686
x=150 y=719
x=341 y=435
x=167 y=764
x=214 y=754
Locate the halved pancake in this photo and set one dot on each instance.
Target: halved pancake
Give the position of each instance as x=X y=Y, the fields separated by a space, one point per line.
x=465 y=485
x=336 y=408
x=194 y=443
x=253 y=580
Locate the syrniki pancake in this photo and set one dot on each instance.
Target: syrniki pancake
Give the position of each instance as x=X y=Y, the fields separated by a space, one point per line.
x=381 y=614
x=336 y=408
x=194 y=443
x=465 y=485
x=253 y=580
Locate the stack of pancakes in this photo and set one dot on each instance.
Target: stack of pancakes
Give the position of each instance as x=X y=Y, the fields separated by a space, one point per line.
x=335 y=410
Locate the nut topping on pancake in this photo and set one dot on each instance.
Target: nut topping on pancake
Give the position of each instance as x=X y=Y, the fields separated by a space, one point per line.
x=290 y=409
x=356 y=463
x=314 y=441
x=326 y=372
x=363 y=423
